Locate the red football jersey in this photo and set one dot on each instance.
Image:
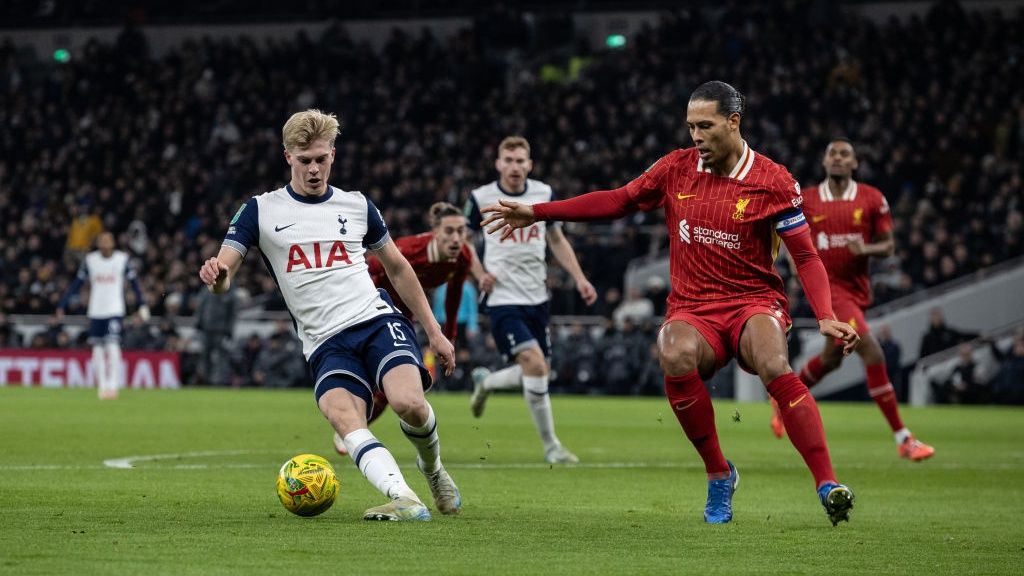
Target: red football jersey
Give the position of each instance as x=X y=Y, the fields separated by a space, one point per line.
x=724 y=230
x=432 y=269
x=860 y=211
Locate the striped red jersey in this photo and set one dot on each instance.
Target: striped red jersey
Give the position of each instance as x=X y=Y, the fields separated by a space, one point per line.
x=432 y=269
x=724 y=231
x=836 y=218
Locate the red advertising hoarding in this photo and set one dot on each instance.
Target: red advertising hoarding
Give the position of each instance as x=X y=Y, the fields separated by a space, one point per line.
x=73 y=369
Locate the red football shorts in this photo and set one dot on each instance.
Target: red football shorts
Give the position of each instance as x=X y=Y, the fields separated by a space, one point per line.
x=721 y=323
x=847 y=310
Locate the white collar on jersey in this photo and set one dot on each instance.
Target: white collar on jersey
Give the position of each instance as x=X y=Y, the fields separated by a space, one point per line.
x=825 y=191
x=742 y=167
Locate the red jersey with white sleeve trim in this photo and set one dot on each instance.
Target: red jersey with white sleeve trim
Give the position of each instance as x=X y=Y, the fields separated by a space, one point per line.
x=724 y=230
x=837 y=217
x=432 y=269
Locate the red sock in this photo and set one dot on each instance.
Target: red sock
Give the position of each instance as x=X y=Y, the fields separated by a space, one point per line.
x=803 y=424
x=691 y=403
x=884 y=395
x=380 y=404
x=813 y=372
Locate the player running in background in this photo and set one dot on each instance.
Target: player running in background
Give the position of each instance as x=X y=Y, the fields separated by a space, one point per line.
x=850 y=222
x=106 y=269
x=726 y=207
x=313 y=238
x=518 y=303
x=439 y=256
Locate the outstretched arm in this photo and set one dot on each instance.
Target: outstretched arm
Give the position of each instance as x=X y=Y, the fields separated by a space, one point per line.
x=815 y=282
x=566 y=256
x=601 y=205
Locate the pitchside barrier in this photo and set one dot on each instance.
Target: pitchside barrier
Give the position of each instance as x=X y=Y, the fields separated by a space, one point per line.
x=990 y=302
x=73 y=369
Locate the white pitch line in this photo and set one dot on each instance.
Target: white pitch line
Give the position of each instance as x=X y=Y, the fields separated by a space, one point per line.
x=129 y=462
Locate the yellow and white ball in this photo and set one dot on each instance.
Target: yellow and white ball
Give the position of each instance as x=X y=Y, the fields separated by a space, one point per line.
x=307 y=485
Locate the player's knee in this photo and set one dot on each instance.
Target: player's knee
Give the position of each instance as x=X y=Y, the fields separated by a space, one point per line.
x=532 y=362
x=679 y=359
x=771 y=367
x=412 y=408
x=338 y=405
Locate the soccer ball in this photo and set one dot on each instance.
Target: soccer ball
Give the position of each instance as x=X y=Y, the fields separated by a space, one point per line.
x=307 y=485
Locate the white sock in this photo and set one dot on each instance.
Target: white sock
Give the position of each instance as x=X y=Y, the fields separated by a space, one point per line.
x=114 y=371
x=377 y=464
x=535 y=391
x=99 y=368
x=425 y=440
x=510 y=378
x=901 y=435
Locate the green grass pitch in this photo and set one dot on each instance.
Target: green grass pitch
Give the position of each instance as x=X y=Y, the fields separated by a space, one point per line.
x=200 y=496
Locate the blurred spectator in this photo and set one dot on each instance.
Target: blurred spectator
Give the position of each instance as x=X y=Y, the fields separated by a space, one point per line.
x=966 y=384
x=280 y=363
x=215 y=319
x=893 y=353
x=83 y=229
x=138 y=335
x=622 y=354
x=9 y=337
x=576 y=361
x=245 y=358
x=636 y=309
x=168 y=338
x=940 y=336
x=650 y=380
x=1009 y=385
x=656 y=290
x=608 y=301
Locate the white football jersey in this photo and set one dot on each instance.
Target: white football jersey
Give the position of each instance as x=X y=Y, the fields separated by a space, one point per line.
x=106 y=278
x=315 y=249
x=518 y=263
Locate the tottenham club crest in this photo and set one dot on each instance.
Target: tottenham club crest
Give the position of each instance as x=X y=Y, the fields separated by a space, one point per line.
x=342 y=221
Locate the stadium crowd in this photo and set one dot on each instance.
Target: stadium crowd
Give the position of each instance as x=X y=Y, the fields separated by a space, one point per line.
x=162 y=149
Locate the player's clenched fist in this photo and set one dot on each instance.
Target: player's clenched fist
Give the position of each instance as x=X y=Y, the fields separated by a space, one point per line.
x=213 y=272
x=445 y=352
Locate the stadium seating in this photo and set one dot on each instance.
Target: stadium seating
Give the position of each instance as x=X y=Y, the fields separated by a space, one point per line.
x=162 y=148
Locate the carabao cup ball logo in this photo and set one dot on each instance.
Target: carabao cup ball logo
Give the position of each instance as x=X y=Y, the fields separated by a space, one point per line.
x=307 y=485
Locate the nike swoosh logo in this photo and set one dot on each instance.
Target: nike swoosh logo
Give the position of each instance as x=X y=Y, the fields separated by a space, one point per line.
x=279 y=228
x=793 y=403
x=678 y=407
x=817 y=219
x=684 y=196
